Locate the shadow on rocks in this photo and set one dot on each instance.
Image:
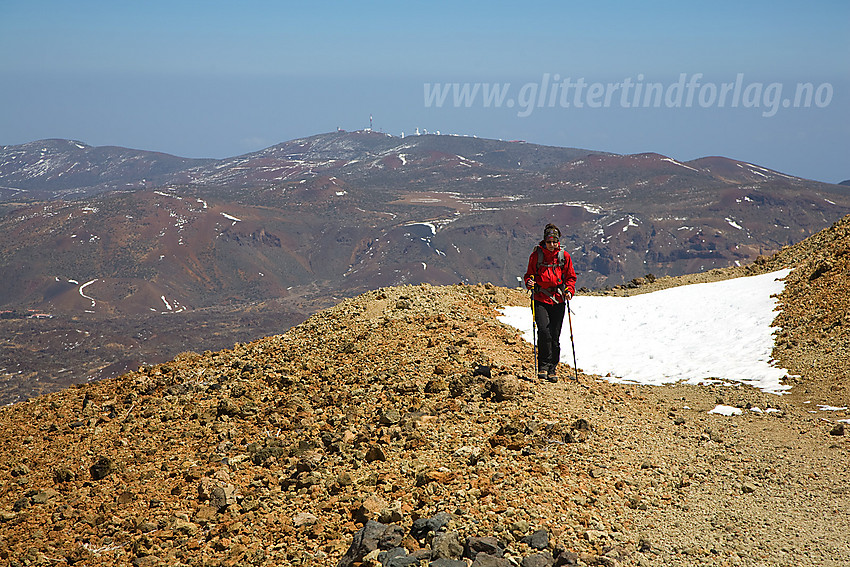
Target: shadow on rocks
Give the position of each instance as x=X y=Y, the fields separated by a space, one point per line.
x=386 y=545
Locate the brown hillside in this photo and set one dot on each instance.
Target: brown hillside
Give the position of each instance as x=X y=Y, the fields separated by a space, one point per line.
x=276 y=452
x=815 y=315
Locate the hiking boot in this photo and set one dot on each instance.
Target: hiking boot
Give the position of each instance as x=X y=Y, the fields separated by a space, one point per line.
x=552 y=376
x=541 y=375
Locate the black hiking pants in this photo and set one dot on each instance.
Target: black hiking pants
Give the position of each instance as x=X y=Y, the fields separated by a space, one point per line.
x=549 y=319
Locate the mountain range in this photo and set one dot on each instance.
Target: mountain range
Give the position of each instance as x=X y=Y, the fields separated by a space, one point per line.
x=132 y=256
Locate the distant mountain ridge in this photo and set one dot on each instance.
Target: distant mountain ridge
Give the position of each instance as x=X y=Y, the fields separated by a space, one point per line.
x=621 y=212
x=50 y=169
x=54 y=168
x=622 y=215
x=58 y=168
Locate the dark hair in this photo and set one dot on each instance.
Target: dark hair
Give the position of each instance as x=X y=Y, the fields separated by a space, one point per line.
x=551 y=230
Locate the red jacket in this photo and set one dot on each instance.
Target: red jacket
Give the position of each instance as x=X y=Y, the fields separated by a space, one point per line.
x=550 y=275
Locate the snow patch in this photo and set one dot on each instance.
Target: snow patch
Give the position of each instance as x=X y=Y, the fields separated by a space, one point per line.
x=728 y=411
x=831 y=408
x=680 y=164
x=172 y=195
x=84 y=286
x=427 y=224
x=734 y=224
x=694 y=334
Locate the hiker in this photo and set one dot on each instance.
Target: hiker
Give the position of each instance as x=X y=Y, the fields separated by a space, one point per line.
x=551 y=275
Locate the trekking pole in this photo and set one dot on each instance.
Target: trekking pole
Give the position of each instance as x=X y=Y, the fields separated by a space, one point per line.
x=572 y=341
x=534 y=329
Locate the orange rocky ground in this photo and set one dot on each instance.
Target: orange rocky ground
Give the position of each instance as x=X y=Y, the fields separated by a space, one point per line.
x=380 y=410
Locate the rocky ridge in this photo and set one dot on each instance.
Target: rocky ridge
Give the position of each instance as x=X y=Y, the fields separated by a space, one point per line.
x=402 y=426
x=815 y=315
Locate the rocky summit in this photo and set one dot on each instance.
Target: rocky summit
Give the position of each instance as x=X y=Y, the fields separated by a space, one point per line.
x=404 y=427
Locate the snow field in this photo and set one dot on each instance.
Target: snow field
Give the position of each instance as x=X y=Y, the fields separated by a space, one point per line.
x=699 y=333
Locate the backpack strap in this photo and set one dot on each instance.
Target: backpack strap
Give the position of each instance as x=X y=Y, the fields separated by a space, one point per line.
x=562 y=259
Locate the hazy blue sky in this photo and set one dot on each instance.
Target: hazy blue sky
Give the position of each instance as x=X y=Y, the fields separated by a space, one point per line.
x=218 y=79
